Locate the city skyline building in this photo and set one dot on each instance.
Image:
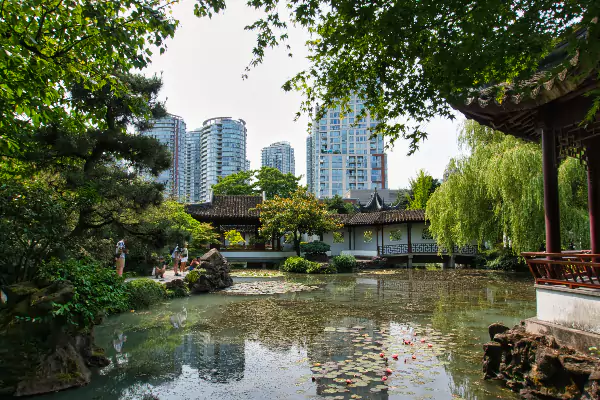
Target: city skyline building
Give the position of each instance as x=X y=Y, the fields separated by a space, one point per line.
x=279 y=155
x=193 y=170
x=171 y=131
x=222 y=151
x=341 y=155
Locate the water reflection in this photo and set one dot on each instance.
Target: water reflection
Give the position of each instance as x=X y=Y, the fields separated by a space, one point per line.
x=220 y=346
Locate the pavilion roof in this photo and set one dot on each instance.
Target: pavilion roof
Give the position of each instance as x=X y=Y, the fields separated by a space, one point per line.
x=386 y=217
x=555 y=97
x=227 y=207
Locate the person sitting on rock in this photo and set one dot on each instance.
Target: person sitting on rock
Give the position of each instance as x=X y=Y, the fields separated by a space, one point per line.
x=159 y=271
x=194 y=264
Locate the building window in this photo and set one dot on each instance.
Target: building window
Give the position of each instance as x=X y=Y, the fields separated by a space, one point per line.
x=426 y=234
x=396 y=235
x=338 y=237
x=368 y=236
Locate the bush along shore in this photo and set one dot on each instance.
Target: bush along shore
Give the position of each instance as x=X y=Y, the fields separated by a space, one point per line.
x=47 y=324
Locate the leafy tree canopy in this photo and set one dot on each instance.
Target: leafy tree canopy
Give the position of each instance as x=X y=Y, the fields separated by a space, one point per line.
x=495 y=195
x=269 y=180
x=337 y=205
x=75 y=190
x=409 y=59
x=421 y=189
x=50 y=46
x=301 y=213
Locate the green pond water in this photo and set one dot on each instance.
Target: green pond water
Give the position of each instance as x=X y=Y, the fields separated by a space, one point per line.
x=224 y=346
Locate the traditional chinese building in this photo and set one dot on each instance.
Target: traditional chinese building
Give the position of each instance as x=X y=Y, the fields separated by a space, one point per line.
x=556 y=107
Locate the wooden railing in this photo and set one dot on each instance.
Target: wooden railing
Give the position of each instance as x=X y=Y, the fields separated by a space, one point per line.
x=423 y=248
x=571 y=268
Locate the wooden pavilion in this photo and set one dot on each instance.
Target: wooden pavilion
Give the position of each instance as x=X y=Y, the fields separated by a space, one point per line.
x=551 y=107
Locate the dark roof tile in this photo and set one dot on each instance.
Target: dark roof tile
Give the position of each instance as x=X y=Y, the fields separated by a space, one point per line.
x=227 y=207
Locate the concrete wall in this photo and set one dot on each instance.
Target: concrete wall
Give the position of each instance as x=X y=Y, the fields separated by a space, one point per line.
x=574 y=308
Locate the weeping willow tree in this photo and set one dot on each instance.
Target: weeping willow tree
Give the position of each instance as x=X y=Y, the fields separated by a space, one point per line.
x=495 y=195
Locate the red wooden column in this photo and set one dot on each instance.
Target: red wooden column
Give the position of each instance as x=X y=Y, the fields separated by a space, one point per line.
x=593 y=164
x=408 y=237
x=551 y=210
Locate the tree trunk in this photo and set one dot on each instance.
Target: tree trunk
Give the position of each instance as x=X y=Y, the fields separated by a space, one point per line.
x=297 y=244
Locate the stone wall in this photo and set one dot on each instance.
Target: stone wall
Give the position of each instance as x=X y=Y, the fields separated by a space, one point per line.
x=538 y=368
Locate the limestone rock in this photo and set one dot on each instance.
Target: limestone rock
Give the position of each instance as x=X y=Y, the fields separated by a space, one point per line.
x=216 y=276
x=539 y=369
x=495 y=329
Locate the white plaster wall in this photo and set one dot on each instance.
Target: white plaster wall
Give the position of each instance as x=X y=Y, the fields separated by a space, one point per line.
x=573 y=308
x=337 y=248
x=387 y=229
x=417 y=234
x=360 y=238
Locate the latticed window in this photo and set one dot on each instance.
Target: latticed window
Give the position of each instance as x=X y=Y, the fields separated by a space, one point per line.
x=338 y=237
x=368 y=235
x=396 y=235
x=426 y=234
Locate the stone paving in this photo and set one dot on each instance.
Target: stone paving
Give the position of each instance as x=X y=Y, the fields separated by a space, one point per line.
x=169 y=276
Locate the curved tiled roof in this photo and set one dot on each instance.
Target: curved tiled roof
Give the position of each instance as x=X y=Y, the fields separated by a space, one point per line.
x=227 y=207
x=386 y=217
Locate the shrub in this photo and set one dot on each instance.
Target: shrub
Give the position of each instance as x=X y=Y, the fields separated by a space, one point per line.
x=96 y=290
x=315 y=247
x=178 y=291
x=295 y=264
x=316 y=268
x=144 y=292
x=344 y=263
x=192 y=276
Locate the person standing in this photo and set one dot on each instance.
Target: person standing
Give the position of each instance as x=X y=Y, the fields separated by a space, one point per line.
x=120 y=252
x=176 y=256
x=184 y=258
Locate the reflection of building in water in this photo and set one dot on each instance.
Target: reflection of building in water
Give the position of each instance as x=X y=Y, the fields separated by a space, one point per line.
x=215 y=361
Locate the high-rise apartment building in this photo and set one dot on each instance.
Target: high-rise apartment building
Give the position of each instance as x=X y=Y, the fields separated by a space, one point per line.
x=279 y=155
x=193 y=166
x=171 y=132
x=341 y=156
x=222 y=151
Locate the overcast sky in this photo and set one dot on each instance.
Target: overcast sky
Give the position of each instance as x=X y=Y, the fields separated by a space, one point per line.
x=202 y=71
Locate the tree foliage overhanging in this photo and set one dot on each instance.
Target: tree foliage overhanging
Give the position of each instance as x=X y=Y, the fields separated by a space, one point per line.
x=50 y=46
x=409 y=59
x=495 y=195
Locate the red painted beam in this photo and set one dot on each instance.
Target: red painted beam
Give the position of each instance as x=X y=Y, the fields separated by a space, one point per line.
x=551 y=210
x=593 y=162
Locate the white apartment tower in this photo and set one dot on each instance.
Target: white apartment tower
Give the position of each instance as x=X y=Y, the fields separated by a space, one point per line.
x=341 y=156
x=222 y=151
x=279 y=155
x=171 y=132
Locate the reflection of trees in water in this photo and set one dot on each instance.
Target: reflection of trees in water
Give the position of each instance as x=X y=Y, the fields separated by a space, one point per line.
x=459 y=315
x=156 y=356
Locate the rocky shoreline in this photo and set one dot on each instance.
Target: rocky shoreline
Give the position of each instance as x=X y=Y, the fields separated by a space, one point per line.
x=538 y=368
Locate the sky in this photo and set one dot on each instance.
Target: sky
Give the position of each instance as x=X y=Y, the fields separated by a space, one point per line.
x=202 y=78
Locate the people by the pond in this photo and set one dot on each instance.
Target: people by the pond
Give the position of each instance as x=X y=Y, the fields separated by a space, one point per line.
x=176 y=256
x=194 y=263
x=184 y=258
x=120 y=252
x=161 y=268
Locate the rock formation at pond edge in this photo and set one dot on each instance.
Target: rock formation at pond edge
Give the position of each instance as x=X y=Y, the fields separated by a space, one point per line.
x=216 y=275
x=537 y=367
x=40 y=353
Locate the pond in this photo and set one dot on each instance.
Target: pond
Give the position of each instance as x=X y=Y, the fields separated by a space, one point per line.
x=405 y=335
